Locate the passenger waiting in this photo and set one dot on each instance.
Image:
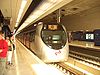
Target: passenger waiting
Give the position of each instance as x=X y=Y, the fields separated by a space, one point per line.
x=9 y=57
x=3 y=54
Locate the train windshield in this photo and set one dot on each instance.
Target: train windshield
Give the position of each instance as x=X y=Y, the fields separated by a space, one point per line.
x=54 y=38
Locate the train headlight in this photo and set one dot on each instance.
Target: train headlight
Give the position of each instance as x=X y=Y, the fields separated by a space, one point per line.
x=50 y=46
x=62 y=46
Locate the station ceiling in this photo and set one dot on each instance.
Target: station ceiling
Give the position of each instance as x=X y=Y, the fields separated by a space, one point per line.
x=77 y=7
x=10 y=9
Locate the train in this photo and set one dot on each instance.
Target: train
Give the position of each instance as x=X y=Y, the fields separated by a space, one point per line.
x=48 y=41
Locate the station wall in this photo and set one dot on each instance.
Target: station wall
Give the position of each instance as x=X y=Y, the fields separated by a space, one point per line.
x=86 y=20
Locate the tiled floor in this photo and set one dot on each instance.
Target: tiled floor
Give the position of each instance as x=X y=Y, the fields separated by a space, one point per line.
x=84 y=44
x=22 y=61
x=26 y=63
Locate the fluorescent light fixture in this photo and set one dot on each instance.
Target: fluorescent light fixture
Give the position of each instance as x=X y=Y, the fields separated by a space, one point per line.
x=31 y=18
x=28 y=20
x=19 y=15
x=44 y=7
x=23 y=4
x=37 y=12
x=23 y=25
x=16 y=25
x=53 y=1
x=21 y=10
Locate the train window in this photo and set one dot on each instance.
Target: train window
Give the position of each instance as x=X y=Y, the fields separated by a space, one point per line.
x=32 y=36
x=55 y=41
x=56 y=37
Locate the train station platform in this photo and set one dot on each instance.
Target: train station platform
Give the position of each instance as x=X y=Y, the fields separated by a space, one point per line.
x=84 y=44
x=26 y=63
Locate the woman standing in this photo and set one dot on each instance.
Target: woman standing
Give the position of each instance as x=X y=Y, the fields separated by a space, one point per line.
x=3 y=54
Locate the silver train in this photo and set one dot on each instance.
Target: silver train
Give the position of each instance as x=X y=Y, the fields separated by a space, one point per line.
x=49 y=42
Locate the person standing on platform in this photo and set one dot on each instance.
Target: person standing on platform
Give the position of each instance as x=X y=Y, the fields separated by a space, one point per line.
x=3 y=54
x=9 y=56
x=13 y=42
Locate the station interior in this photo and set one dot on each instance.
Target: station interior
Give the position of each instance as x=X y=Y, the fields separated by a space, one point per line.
x=80 y=20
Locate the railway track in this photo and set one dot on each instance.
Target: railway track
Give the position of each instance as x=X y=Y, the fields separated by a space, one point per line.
x=70 y=69
x=95 y=61
x=63 y=69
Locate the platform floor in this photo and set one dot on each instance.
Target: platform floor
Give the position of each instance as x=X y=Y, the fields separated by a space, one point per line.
x=84 y=44
x=26 y=63
x=22 y=61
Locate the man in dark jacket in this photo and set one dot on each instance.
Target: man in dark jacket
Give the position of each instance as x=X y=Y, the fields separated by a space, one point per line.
x=3 y=54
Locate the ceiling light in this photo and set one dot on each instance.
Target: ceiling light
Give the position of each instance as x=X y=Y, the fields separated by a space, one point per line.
x=45 y=5
x=22 y=26
x=23 y=4
x=53 y=1
x=21 y=10
x=19 y=15
x=16 y=25
x=37 y=12
x=43 y=9
x=31 y=18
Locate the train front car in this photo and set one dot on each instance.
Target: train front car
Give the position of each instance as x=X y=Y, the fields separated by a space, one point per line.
x=52 y=43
